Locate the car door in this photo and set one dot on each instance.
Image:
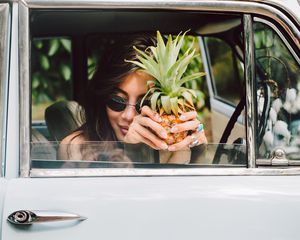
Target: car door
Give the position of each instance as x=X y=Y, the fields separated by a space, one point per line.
x=170 y=202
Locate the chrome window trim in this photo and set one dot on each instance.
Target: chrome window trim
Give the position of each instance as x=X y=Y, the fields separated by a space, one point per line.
x=122 y=172
x=213 y=6
x=24 y=93
x=12 y=165
x=250 y=88
x=258 y=8
x=4 y=69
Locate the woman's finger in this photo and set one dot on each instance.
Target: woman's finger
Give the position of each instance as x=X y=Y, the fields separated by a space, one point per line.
x=185 y=126
x=131 y=136
x=154 y=126
x=134 y=137
x=147 y=134
x=147 y=111
x=188 y=116
x=200 y=137
x=181 y=145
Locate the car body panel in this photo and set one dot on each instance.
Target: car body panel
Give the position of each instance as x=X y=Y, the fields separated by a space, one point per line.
x=213 y=207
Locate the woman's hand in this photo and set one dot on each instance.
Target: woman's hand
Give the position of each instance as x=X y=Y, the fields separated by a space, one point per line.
x=190 y=123
x=139 y=130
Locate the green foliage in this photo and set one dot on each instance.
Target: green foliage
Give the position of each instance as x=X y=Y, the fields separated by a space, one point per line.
x=50 y=70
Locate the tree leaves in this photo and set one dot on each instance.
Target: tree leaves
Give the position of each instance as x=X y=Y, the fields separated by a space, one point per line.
x=54 y=45
x=65 y=71
x=51 y=70
x=44 y=62
x=66 y=44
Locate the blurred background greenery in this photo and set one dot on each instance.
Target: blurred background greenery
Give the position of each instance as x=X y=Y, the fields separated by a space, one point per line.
x=51 y=73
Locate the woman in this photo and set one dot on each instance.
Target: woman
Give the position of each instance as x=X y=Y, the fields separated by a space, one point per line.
x=112 y=109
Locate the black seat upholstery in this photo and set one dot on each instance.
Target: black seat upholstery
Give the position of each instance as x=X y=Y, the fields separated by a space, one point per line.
x=62 y=118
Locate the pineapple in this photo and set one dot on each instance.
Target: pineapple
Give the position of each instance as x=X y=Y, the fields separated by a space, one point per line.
x=166 y=93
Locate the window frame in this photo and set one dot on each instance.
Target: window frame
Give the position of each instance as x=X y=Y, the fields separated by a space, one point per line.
x=4 y=69
x=211 y=6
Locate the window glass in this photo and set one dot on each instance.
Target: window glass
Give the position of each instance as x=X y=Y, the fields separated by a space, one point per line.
x=93 y=134
x=121 y=155
x=278 y=95
x=226 y=70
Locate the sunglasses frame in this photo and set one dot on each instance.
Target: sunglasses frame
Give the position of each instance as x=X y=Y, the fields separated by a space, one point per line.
x=124 y=104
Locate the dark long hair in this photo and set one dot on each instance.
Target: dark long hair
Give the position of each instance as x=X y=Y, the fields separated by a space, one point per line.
x=110 y=72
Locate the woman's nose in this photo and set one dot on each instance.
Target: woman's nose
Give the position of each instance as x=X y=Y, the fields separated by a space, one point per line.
x=129 y=113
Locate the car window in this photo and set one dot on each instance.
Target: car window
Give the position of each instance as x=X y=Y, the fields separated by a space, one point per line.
x=55 y=92
x=278 y=95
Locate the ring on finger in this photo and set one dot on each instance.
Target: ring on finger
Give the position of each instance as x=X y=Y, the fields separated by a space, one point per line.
x=194 y=141
x=200 y=127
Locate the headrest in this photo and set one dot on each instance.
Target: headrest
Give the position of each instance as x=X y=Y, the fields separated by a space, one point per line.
x=63 y=118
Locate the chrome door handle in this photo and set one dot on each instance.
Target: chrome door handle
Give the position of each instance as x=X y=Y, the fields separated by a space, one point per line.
x=26 y=217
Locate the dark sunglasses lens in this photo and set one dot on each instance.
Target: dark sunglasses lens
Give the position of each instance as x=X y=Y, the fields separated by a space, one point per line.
x=116 y=103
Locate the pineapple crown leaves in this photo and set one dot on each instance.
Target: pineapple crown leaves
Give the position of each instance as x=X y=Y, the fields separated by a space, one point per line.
x=167 y=67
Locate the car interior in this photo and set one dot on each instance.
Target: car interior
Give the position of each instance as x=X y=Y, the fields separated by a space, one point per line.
x=65 y=45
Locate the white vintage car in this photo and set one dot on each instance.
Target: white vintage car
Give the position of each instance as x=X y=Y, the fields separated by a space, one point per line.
x=244 y=184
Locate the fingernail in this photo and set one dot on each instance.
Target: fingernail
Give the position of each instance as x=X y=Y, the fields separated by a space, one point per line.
x=174 y=129
x=164 y=146
x=164 y=134
x=182 y=117
x=171 y=148
x=157 y=117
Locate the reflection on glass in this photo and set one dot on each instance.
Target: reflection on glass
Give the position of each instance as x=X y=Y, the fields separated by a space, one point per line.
x=120 y=155
x=278 y=95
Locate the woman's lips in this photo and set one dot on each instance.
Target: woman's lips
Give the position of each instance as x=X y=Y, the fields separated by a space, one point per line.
x=124 y=130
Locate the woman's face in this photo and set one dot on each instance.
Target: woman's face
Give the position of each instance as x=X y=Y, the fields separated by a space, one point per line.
x=132 y=89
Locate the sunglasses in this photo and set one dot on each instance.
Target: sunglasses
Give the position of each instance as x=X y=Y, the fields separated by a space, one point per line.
x=118 y=104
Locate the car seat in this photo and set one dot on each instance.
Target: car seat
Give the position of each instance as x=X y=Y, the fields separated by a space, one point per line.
x=62 y=118
x=41 y=148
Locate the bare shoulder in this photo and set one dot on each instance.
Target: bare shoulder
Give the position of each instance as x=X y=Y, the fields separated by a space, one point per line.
x=74 y=138
x=70 y=146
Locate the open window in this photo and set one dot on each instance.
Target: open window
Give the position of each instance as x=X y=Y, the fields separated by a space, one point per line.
x=67 y=45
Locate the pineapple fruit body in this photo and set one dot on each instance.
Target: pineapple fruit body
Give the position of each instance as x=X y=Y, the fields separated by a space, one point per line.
x=169 y=121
